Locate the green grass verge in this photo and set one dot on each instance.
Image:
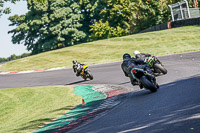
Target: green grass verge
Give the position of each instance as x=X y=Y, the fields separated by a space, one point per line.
x=164 y=42
x=23 y=110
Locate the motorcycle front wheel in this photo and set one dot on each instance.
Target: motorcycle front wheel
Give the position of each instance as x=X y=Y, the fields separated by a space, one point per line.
x=148 y=84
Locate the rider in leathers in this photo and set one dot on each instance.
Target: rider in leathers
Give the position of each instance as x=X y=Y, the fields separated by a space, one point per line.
x=129 y=63
x=77 y=67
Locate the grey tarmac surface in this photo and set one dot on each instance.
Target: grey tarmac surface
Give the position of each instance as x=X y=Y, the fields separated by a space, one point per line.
x=174 y=108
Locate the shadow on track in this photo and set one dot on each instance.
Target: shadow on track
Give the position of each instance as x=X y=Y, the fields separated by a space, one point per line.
x=174 y=108
x=77 y=82
x=124 y=83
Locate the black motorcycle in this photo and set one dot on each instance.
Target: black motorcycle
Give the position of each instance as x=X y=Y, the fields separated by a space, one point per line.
x=143 y=76
x=156 y=65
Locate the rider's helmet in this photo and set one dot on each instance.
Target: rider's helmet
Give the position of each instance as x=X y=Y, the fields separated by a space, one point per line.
x=74 y=61
x=136 y=52
x=126 y=56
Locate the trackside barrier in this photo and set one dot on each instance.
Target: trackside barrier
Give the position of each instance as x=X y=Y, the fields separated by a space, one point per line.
x=187 y=22
x=174 y=24
x=169 y=25
x=156 y=28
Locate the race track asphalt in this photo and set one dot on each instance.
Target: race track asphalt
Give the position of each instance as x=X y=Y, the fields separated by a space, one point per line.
x=175 y=107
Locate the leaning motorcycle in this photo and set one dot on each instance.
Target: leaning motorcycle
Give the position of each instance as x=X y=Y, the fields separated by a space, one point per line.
x=144 y=78
x=85 y=73
x=156 y=65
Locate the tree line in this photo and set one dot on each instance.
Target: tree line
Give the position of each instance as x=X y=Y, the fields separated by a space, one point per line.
x=55 y=24
x=14 y=57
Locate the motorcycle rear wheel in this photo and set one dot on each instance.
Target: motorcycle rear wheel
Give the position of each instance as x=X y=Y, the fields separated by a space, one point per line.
x=160 y=68
x=84 y=77
x=90 y=76
x=148 y=84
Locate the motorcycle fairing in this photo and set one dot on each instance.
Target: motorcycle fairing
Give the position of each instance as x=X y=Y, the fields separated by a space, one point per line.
x=83 y=70
x=150 y=60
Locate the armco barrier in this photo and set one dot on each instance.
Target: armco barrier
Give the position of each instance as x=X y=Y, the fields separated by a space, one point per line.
x=156 y=28
x=174 y=24
x=186 y=22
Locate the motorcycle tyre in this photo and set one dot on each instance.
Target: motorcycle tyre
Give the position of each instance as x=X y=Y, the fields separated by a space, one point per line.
x=147 y=84
x=84 y=77
x=160 y=68
x=90 y=75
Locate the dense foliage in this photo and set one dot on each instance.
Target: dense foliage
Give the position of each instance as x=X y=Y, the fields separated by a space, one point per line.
x=48 y=26
x=112 y=20
x=53 y=24
x=7 y=10
x=130 y=16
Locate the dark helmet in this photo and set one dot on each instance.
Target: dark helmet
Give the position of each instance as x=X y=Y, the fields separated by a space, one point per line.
x=74 y=61
x=126 y=56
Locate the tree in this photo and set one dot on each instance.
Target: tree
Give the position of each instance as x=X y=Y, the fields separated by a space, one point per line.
x=25 y=55
x=148 y=13
x=116 y=12
x=102 y=30
x=48 y=26
x=114 y=17
x=90 y=11
x=7 y=10
x=3 y=60
x=13 y=57
x=129 y=16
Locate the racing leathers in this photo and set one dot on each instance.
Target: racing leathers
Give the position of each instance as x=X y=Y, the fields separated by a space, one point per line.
x=78 y=68
x=130 y=63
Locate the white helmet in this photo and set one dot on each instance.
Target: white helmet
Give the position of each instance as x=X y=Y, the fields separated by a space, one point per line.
x=136 y=52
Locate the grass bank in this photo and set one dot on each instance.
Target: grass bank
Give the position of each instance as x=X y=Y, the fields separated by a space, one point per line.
x=25 y=109
x=177 y=40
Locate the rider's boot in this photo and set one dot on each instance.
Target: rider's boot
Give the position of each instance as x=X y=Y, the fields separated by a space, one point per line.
x=156 y=83
x=141 y=86
x=157 y=86
x=134 y=82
